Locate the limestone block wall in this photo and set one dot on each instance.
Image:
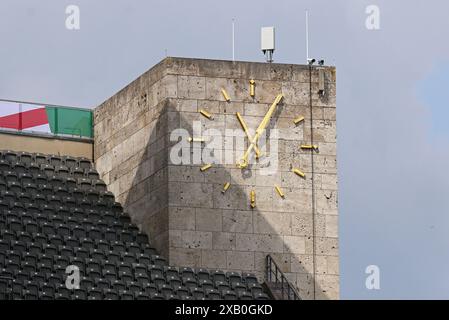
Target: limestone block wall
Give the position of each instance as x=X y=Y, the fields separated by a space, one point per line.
x=183 y=209
x=130 y=149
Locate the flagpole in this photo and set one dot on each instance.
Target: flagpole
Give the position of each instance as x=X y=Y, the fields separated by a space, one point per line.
x=20 y=117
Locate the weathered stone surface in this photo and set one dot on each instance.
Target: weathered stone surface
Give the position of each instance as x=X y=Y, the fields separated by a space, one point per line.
x=184 y=211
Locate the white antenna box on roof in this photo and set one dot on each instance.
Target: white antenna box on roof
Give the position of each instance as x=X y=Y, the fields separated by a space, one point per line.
x=267 y=42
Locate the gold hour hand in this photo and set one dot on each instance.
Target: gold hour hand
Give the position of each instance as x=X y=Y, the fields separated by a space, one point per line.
x=245 y=128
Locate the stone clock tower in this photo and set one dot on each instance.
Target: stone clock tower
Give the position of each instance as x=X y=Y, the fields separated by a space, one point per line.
x=222 y=163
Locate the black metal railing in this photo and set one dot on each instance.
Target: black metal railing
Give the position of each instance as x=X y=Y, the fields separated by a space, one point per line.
x=8 y=287
x=279 y=282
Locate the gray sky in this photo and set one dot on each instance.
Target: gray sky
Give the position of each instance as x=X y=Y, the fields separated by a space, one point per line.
x=392 y=102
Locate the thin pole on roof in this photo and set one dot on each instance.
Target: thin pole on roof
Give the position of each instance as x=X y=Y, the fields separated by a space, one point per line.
x=307 y=36
x=233 y=40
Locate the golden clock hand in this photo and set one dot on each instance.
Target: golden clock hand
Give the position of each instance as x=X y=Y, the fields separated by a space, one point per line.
x=245 y=128
x=270 y=112
x=243 y=163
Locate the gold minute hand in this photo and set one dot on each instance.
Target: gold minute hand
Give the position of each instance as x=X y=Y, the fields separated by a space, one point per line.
x=243 y=163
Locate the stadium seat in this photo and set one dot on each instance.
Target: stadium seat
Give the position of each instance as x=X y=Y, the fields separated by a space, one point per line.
x=261 y=296
x=84 y=163
x=249 y=278
x=102 y=284
x=92 y=174
x=228 y=295
x=157 y=279
x=125 y=276
x=221 y=285
x=21 y=275
x=133 y=248
x=95 y=294
x=18 y=167
x=54 y=279
x=48 y=169
x=77 y=172
x=98 y=184
x=142 y=278
x=206 y=284
x=174 y=281
x=62 y=296
x=127 y=295
x=158 y=260
x=33 y=168
x=29 y=257
x=4 y=165
x=13 y=256
x=156 y=296
x=79 y=294
x=189 y=282
x=149 y=288
x=70 y=162
x=124 y=267
x=62 y=171
x=197 y=293
x=25 y=177
x=25 y=157
x=141 y=296
x=244 y=295
x=56 y=181
x=212 y=294
x=218 y=275
x=254 y=288
x=133 y=286
x=29 y=295
x=30 y=188
x=113 y=256
x=117 y=285
x=10 y=156
x=143 y=258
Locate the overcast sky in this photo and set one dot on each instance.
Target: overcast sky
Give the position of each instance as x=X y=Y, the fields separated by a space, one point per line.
x=392 y=102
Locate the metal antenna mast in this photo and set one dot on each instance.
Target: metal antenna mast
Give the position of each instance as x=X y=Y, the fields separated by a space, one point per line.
x=307 y=36
x=233 y=40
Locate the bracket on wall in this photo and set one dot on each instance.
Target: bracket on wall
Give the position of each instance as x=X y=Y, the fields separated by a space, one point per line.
x=321 y=87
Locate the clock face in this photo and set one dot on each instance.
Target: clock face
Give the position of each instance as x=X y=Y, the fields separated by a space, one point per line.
x=253 y=156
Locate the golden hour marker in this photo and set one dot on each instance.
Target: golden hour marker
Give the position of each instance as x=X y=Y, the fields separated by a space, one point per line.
x=196 y=139
x=252 y=197
x=299 y=173
x=279 y=191
x=206 y=167
x=206 y=114
x=309 y=147
x=225 y=95
x=298 y=120
x=226 y=187
x=252 y=88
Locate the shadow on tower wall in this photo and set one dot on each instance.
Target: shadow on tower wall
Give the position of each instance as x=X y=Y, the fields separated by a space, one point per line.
x=169 y=187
